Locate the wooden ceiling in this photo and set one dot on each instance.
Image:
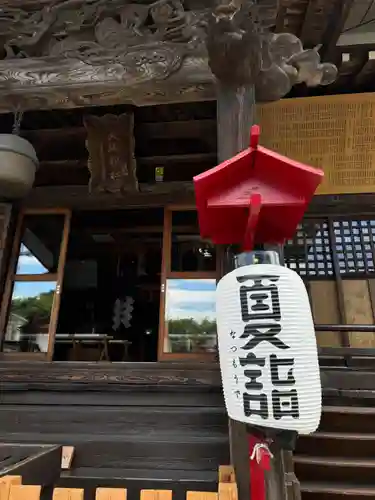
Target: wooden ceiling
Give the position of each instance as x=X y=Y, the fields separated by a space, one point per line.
x=179 y=137
x=346 y=31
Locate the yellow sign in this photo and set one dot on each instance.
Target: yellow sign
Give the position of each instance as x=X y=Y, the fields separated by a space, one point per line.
x=334 y=133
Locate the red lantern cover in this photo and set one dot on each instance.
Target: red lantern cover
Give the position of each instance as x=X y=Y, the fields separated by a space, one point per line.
x=258 y=196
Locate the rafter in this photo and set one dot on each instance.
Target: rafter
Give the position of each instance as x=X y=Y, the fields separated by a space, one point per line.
x=335 y=27
x=316 y=21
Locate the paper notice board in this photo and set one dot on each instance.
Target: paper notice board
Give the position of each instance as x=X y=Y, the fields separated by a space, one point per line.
x=334 y=133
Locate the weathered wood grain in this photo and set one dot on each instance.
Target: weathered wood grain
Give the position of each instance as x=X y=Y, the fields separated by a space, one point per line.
x=35 y=463
x=148 y=423
x=122 y=374
x=154 y=416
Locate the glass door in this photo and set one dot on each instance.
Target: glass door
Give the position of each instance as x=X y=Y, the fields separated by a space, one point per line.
x=31 y=300
x=190 y=269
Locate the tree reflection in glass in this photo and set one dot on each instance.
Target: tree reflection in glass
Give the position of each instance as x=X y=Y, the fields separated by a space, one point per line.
x=29 y=316
x=190 y=316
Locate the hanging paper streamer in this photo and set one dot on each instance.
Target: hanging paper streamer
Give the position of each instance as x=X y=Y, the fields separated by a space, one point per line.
x=122 y=313
x=267 y=347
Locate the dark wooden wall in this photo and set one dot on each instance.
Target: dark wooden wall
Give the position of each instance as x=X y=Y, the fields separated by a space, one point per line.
x=154 y=424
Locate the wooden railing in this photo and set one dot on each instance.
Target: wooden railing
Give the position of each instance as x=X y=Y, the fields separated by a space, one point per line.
x=11 y=488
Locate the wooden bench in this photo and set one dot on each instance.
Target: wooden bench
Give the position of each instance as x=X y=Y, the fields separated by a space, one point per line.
x=100 y=340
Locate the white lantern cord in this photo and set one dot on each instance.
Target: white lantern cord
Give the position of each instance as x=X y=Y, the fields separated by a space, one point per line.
x=258 y=451
x=18 y=115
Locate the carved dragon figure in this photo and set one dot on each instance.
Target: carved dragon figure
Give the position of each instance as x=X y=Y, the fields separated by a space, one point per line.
x=91 y=28
x=137 y=43
x=242 y=50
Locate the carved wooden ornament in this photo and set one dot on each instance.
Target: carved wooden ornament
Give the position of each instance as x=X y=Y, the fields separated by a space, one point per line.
x=110 y=143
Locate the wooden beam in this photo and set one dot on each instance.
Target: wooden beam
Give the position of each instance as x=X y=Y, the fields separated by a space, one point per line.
x=79 y=198
x=63 y=165
x=183 y=158
x=36 y=4
x=177 y=168
x=351 y=65
x=193 y=82
x=316 y=21
x=137 y=229
x=334 y=29
x=357 y=39
x=67 y=376
x=54 y=172
x=366 y=74
x=160 y=194
x=158 y=130
x=142 y=160
x=176 y=129
x=290 y=16
x=163 y=160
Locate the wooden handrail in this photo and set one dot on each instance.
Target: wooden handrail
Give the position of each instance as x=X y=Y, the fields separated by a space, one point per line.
x=345 y=328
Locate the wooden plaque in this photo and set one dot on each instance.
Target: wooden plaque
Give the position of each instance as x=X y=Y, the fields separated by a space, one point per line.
x=334 y=133
x=110 y=143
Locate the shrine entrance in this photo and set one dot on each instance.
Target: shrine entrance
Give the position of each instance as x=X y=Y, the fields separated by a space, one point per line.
x=86 y=286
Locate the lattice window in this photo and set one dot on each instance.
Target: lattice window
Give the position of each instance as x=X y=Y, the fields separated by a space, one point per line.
x=309 y=252
x=355 y=246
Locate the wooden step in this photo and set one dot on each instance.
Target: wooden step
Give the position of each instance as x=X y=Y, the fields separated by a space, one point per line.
x=324 y=469
x=114 y=419
x=328 y=444
x=135 y=480
x=350 y=398
x=348 y=419
x=351 y=410
x=134 y=450
x=334 y=491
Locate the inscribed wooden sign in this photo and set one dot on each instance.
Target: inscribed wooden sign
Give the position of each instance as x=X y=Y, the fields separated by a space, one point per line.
x=334 y=133
x=110 y=143
x=267 y=348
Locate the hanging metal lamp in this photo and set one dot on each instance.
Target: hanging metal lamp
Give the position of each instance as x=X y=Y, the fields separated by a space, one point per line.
x=18 y=164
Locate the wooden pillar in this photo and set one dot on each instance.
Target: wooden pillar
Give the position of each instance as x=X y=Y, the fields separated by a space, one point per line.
x=234 y=60
x=235 y=116
x=236 y=74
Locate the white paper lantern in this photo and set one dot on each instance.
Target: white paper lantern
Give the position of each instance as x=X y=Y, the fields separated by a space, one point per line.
x=267 y=346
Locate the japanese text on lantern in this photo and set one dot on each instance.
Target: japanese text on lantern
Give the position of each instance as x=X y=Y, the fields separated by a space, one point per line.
x=261 y=317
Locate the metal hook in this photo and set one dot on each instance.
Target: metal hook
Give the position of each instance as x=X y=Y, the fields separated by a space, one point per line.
x=18 y=115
